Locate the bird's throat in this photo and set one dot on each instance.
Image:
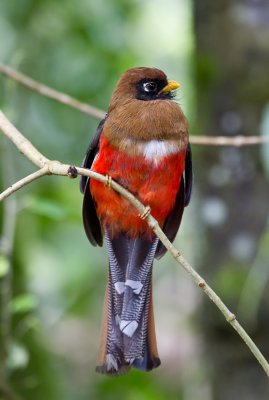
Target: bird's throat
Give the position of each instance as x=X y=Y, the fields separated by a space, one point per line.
x=139 y=122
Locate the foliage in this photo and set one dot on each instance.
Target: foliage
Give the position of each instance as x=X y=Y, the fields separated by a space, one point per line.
x=58 y=279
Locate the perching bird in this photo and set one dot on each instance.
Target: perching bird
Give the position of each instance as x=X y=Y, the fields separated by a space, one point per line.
x=142 y=143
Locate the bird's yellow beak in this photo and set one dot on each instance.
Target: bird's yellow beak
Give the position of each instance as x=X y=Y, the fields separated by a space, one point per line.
x=172 y=85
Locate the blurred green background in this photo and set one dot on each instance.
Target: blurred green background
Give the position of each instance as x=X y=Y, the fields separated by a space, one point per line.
x=51 y=304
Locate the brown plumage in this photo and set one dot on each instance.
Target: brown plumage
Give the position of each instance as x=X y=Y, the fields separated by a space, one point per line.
x=129 y=117
x=142 y=144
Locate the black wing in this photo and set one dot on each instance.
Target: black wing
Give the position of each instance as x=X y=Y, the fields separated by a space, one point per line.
x=188 y=176
x=173 y=220
x=90 y=220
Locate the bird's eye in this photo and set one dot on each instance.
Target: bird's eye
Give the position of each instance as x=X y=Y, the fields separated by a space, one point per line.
x=150 y=86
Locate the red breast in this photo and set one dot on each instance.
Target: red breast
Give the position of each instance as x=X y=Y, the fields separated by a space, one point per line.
x=153 y=177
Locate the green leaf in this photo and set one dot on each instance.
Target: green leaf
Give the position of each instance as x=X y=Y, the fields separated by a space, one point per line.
x=23 y=303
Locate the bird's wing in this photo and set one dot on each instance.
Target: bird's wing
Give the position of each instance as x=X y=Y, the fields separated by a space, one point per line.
x=188 y=176
x=173 y=220
x=90 y=220
x=91 y=153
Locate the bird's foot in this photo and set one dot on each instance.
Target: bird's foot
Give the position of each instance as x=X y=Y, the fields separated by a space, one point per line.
x=145 y=213
x=108 y=182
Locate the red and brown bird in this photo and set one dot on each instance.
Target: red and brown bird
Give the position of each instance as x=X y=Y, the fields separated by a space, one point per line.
x=143 y=144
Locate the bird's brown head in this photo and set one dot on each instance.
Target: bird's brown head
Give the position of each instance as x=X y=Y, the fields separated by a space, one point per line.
x=141 y=108
x=144 y=84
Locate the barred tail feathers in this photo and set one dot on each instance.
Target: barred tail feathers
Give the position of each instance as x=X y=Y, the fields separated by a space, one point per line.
x=128 y=332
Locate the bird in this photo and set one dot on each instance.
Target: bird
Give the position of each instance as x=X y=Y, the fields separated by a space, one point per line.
x=142 y=143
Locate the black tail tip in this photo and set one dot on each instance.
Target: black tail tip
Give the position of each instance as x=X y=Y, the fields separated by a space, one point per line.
x=114 y=367
x=144 y=364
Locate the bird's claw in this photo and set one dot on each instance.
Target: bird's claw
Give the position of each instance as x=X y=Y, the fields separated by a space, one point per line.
x=145 y=213
x=108 y=182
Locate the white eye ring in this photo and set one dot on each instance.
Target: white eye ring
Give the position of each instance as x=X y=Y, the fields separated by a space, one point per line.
x=150 y=86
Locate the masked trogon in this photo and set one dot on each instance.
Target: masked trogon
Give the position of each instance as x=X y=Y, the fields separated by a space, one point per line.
x=142 y=144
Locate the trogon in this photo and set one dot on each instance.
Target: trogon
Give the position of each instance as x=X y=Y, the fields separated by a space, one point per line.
x=143 y=144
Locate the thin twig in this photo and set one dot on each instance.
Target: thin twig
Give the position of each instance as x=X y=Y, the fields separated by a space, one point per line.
x=23 y=144
x=236 y=141
x=51 y=93
x=99 y=114
x=56 y=168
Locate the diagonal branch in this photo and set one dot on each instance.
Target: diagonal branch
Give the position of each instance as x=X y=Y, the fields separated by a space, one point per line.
x=237 y=141
x=99 y=114
x=23 y=144
x=57 y=168
x=51 y=93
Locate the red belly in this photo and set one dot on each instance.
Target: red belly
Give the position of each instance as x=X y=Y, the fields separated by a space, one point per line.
x=154 y=184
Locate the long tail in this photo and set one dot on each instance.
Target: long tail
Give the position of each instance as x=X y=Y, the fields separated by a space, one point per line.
x=128 y=331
